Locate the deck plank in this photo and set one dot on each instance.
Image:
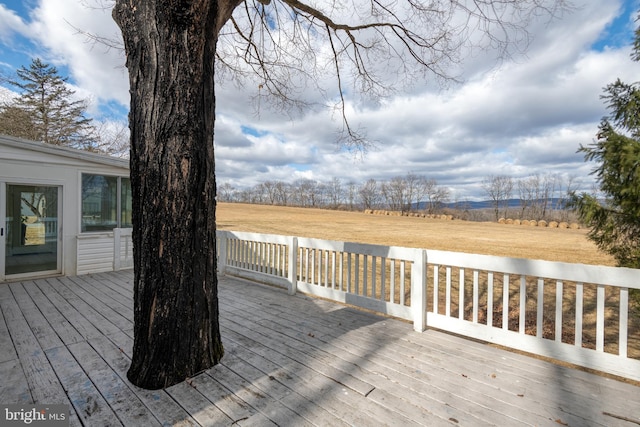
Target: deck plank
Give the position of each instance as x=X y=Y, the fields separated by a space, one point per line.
x=158 y=402
x=14 y=388
x=101 y=317
x=62 y=326
x=269 y=406
x=430 y=400
x=7 y=350
x=95 y=295
x=124 y=403
x=39 y=325
x=91 y=407
x=289 y=360
x=43 y=383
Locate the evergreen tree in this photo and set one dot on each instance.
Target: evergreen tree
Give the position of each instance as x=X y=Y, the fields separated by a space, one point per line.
x=15 y=121
x=615 y=221
x=55 y=116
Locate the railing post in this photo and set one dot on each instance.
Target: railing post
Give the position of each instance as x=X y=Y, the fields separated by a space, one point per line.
x=419 y=291
x=293 y=266
x=116 y=249
x=221 y=237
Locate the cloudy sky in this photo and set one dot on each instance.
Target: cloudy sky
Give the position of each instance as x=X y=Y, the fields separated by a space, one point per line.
x=526 y=115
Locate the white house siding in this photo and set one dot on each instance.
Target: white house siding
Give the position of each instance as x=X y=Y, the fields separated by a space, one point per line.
x=95 y=253
x=27 y=162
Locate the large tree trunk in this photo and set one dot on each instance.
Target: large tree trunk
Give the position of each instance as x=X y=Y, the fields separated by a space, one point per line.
x=170 y=48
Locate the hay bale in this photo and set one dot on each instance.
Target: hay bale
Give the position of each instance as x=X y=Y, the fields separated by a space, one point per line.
x=563 y=225
x=574 y=226
x=533 y=223
x=553 y=224
x=501 y=221
x=542 y=223
x=524 y=222
x=508 y=221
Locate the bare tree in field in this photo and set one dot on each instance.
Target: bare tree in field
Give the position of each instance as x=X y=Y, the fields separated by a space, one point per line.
x=369 y=194
x=436 y=196
x=395 y=193
x=499 y=189
x=351 y=194
x=175 y=51
x=335 y=192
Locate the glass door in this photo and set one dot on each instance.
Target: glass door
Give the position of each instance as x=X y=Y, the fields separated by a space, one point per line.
x=31 y=242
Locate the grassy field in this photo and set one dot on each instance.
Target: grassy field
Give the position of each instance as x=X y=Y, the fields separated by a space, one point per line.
x=552 y=244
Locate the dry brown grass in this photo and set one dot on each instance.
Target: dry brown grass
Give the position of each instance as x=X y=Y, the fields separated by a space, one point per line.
x=566 y=245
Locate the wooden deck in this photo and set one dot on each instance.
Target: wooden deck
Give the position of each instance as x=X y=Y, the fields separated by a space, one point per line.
x=290 y=361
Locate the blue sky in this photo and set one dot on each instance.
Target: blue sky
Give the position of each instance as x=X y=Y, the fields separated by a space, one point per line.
x=528 y=115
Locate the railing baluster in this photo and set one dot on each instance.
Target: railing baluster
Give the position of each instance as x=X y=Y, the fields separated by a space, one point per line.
x=490 y=298
x=623 y=322
x=505 y=302
x=523 y=304
x=383 y=279
x=373 y=276
x=313 y=266
x=436 y=281
x=341 y=279
x=476 y=295
x=357 y=281
x=333 y=269
x=461 y=294
x=365 y=274
x=392 y=282
x=600 y=318
x=402 y=280
x=448 y=293
x=540 y=308
x=559 y=298
x=579 y=313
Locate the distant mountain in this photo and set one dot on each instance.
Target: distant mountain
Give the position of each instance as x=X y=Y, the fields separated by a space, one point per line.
x=487 y=204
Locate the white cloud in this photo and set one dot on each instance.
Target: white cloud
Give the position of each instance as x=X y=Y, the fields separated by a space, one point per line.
x=99 y=69
x=10 y=23
x=527 y=116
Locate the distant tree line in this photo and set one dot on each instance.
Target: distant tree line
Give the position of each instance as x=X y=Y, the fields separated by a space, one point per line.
x=540 y=196
x=401 y=193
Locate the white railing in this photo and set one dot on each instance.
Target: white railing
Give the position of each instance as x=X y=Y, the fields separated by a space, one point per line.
x=122 y=249
x=576 y=313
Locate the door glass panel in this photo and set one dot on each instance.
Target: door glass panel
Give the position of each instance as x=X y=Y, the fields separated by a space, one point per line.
x=32 y=229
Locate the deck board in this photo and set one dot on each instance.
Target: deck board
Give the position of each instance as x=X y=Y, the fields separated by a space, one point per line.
x=289 y=361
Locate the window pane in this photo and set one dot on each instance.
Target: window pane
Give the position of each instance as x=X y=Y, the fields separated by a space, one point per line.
x=125 y=203
x=99 y=202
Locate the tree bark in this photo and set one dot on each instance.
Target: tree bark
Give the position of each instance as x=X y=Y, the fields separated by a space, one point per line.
x=170 y=47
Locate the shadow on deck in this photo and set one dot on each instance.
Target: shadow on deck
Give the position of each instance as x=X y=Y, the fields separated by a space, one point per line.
x=289 y=361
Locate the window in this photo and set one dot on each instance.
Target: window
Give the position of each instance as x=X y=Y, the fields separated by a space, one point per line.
x=106 y=202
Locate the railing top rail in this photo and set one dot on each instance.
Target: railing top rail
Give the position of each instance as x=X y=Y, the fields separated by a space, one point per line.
x=256 y=237
x=597 y=274
x=395 y=252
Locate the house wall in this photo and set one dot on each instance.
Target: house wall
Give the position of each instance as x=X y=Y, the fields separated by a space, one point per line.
x=32 y=163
